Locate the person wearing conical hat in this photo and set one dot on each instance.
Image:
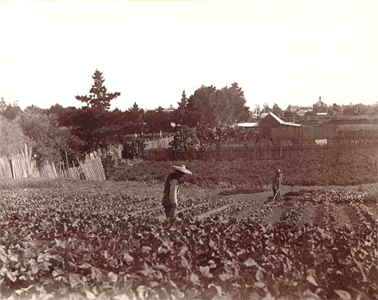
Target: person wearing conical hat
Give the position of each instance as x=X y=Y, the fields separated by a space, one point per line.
x=277 y=185
x=171 y=190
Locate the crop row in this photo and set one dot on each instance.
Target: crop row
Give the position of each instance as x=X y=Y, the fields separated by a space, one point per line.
x=293 y=216
x=56 y=253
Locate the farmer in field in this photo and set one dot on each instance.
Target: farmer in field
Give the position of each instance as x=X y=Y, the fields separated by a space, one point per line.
x=277 y=185
x=171 y=190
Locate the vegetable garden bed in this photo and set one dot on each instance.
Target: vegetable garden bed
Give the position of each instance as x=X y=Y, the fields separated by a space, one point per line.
x=56 y=245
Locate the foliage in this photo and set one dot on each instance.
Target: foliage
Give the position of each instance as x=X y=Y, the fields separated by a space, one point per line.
x=213 y=107
x=180 y=115
x=77 y=246
x=49 y=139
x=185 y=139
x=10 y=111
x=89 y=126
x=360 y=109
x=12 y=138
x=158 y=120
x=133 y=148
x=98 y=97
x=277 y=110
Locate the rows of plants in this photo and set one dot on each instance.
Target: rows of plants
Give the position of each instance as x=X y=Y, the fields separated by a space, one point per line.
x=59 y=248
x=293 y=216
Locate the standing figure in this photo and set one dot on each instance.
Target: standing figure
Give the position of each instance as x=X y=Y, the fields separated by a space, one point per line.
x=277 y=184
x=171 y=190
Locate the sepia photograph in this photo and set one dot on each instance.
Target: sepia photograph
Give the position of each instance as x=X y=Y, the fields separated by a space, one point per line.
x=189 y=150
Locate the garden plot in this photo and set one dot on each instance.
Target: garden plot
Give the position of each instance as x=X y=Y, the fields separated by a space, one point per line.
x=60 y=245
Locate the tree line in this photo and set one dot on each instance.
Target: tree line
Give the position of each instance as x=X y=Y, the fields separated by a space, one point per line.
x=58 y=131
x=61 y=132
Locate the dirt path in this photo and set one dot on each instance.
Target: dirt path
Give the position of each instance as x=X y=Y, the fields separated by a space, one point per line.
x=207 y=214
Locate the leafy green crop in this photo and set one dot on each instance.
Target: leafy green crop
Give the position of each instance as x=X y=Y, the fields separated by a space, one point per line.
x=74 y=246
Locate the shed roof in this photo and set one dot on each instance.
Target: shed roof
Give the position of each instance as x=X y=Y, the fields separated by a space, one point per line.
x=250 y=125
x=277 y=119
x=283 y=122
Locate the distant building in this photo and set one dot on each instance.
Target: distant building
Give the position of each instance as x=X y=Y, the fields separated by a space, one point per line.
x=303 y=111
x=293 y=108
x=170 y=109
x=320 y=108
x=298 y=110
x=267 y=121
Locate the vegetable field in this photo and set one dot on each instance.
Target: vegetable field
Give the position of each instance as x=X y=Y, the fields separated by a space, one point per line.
x=65 y=244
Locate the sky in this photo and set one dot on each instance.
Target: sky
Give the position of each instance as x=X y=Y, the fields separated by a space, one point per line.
x=278 y=51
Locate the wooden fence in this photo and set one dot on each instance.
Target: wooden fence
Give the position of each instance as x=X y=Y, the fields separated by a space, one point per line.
x=22 y=166
x=162 y=143
x=329 y=132
x=18 y=165
x=258 y=153
x=89 y=169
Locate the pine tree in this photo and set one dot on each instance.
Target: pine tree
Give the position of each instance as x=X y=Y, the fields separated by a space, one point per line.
x=98 y=98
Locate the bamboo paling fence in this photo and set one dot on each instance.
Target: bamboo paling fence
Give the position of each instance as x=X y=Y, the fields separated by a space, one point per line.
x=18 y=165
x=90 y=169
x=21 y=166
x=5 y=168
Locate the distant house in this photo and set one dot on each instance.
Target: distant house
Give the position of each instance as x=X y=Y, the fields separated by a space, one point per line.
x=293 y=108
x=282 y=133
x=170 y=109
x=267 y=121
x=272 y=121
x=320 y=108
x=303 y=111
x=298 y=110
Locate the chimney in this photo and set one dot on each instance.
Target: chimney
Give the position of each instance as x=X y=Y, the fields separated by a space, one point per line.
x=320 y=98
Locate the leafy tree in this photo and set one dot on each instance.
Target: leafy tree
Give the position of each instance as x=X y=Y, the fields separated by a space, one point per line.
x=158 y=119
x=181 y=112
x=98 y=98
x=10 y=111
x=233 y=109
x=213 y=107
x=277 y=110
x=135 y=114
x=89 y=125
x=202 y=106
x=3 y=106
x=12 y=138
x=49 y=139
x=257 y=110
x=266 y=108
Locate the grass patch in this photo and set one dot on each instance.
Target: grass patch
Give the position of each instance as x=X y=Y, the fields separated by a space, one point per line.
x=341 y=170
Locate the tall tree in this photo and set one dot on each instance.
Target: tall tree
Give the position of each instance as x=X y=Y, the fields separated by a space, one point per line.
x=209 y=106
x=266 y=108
x=180 y=114
x=201 y=106
x=277 y=110
x=12 y=138
x=98 y=97
x=3 y=105
x=135 y=113
x=10 y=111
x=235 y=102
x=43 y=129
